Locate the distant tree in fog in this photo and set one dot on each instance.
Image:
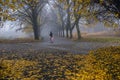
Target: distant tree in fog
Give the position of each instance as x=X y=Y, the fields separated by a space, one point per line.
x=75 y=10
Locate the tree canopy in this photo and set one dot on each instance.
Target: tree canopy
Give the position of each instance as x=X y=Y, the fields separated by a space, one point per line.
x=70 y=13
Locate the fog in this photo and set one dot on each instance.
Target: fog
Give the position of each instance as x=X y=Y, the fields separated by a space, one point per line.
x=49 y=23
x=49 y=18
x=9 y=31
x=97 y=29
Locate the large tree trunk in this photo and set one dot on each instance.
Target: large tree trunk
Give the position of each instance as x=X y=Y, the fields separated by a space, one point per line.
x=68 y=26
x=36 y=29
x=36 y=32
x=78 y=30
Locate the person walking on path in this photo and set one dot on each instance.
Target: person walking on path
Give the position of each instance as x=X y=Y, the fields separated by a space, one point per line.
x=51 y=37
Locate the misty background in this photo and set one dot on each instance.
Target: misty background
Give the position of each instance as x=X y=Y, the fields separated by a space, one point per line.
x=50 y=22
x=9 y=31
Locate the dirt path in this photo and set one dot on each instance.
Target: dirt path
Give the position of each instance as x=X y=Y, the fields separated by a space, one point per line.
x=59 y=44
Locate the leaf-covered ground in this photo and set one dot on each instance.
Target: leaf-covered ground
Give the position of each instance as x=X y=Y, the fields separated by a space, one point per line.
x=59 y=61
x=103 y=64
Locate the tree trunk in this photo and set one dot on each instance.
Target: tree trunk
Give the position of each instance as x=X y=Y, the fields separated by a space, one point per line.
x=63 y=33
x=78 y=30
x=71 y=35
x=68 y=26
x=67 y=34
x=59 y=33
x=36 y=29
x=36 y=32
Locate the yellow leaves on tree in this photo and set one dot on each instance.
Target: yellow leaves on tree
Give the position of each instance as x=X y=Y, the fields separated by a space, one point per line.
x=7 y=5
x=12 y=6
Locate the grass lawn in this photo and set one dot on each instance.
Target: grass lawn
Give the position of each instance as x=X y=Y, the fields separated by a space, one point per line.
x=19 y=40
x=100 y=39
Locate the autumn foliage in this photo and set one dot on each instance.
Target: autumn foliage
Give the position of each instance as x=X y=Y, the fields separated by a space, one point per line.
x=102 y=64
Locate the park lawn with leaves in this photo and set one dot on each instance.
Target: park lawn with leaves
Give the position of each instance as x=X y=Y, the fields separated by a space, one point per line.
x=19 y=40
x=101 y=64
x=100 y=39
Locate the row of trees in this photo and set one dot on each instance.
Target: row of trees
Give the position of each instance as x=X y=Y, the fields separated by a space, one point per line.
x=73 y=11
x=26 y=11
x=70 y=12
